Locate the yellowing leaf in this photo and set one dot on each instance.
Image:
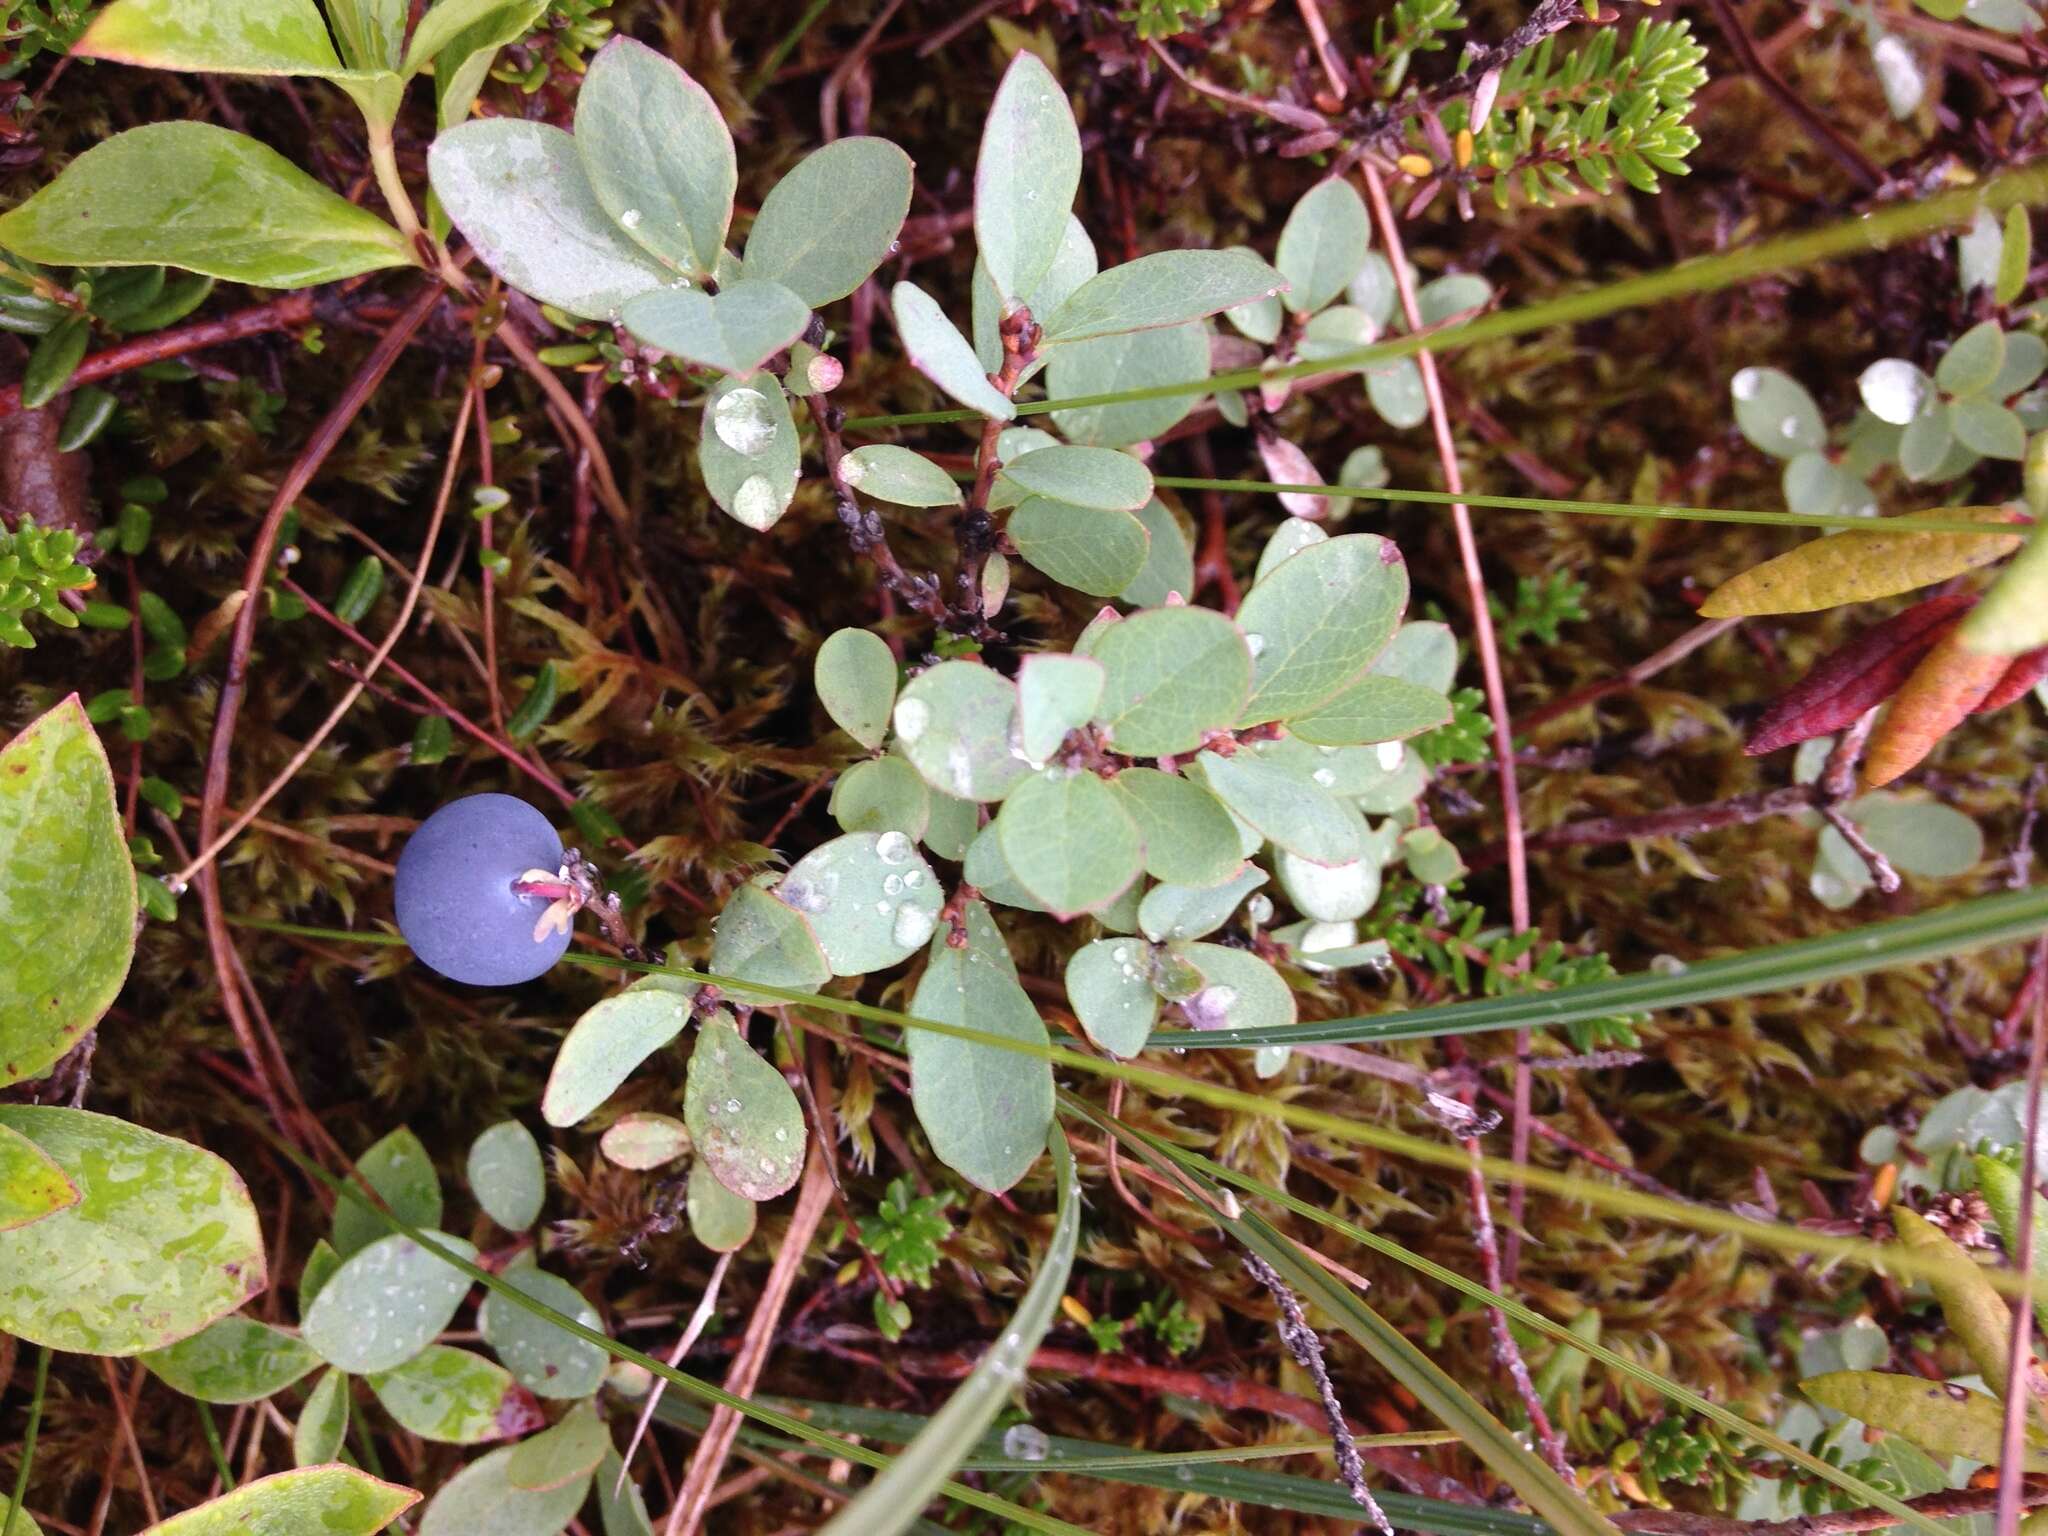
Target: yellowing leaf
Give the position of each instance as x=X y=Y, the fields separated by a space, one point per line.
x=1936 y=1416
x=1976 y=1314
x=1856 y=567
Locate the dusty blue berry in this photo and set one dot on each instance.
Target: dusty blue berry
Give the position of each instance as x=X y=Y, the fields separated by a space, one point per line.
x=456 y=906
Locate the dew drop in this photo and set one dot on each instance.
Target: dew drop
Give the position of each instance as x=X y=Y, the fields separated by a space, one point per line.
x=756 y=504
x=781 y=1134
x=913 y=925
x=1789 y=426
x=912 y=879
x=892 y=847
x=893 y=886
x=630 y=219
x=1390 y=754
x=767 y=1165
x=1210 y=1007
x=912 y=716
x=1324 y=776
x=1747 y=383
x=803 y=895
x=852 y=471
x=732 y=1106
x=1254 y=643
x=743 y=421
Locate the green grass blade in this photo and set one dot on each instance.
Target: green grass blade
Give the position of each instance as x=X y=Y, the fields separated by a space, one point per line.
x=1549 y=1496
x=1703 y=274
x=1967 y=925
x=889 y=1504
x=1195 y=1164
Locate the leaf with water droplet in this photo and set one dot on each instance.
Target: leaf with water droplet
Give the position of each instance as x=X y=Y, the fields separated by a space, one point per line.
x=1239 y=990
x=658 y=154
x=1329 y=892
x=855 y=676
x=1169 y=569
x=1774 y=411
x=742 y=1115
x=758 y=938
x=955 y=723
x=870 y=897
x=1396 y=392
x=1109 y=987
x=482 y=1497
x=1172 y=675
x=1292 y=536
x=827 y=225
x=1322 y=244
x=1189 y=912
x=748 y=450
x=67 y=887
x=234 y=1360
x=506 y=1175
x=519 y=194
x=542 y=1356
x=899 y=477
x=1322 y=615
x=985 y=1110
x=399 y=1169
x=333 y=1500
x=735 y=330
x=456 y=1397
x=1295 y=813
x=942 y=354
x=386 y=1304
x=604 y=1046
x=1069 y=840
x=1086 y=548
x=161 y=1241
x=719 y=1219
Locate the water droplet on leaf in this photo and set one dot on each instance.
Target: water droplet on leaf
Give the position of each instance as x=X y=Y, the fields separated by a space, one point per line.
x=743 y=421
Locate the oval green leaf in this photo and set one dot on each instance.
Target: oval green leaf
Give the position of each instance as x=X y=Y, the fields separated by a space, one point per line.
x=323 y=1422
x=604 y=1047
x=543 y=1357
x=748 y=450
x=1317 y=621
x=1167 y=288
x=1087 y=477
x=742 y=1114
x=456 y=1397
x=398 y=1168
x=1172 y=676
x=735 y=330
x=386 y=1304
x=483 y=1497
x=954 y=723
x=1322 y=244
x=234 y=1360
x=1087 y=548
x=855 y=676
x=825 y=227
x=899 y=477
x=507 y=1176
x=941 y=353
x=1110 y=988
x=333 y=1500
x=1189 y=836
x=1025 y=177
x=719 y=1219
x=758 y=938
x=1069 y=841
x=642 y=1139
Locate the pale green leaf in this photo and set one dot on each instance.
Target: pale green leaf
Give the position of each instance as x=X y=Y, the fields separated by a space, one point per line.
x=1110 y=990
x=1317 y=621
x=1239 y=991
x=882 y=795
x=32 y=1186
x=1072 y=265
x=1090 y=549
x=203 y=198
x=1856 y=567
x=1025 y=177
x=1109 y=365
x=562 y=1455
x=954 y=723
x=1068 y=839
x=2015 y=256
x=826 y=226
x=402 y=1173
x=1430 y=856
x=546 y=1359
x=1190 y=839
x=1168 y=288
x=1346 y=772
x=1087 y=477
x=323 y=1422
x=1970 y=366
x=735 y=330
x=1055 y=694
x=333 y=1500
x=2013 y=616
x=1261 y=318
x=986 y=1111
x=456 y=1397
x=1172 y=676
x=220 y=37
x=162 y=1240
x=1336 y=333
x=1292 y=536
x=619 y=1504
x=1984 y=426
x=2026 y=359
x=941 y=353
x=1169 y=559
x=641 y=1139
x=1396 y=392
x=1373 y=709
x=952 y=826
x=234 y=1360
x=605 y=1045
x=1423 y=652
x=1928 y=443
x=748 y=450
x=1190 y=912
x=989 y=872
x=1292 y=812
x=1774 y=411
x=855 y=676
x=742 y=1114
x=870 y=897
x=890 y=1505
x=719 y=1219
x=482 y=1497
x=519 y=194
x=900 y=477
x=507 y=1176
x=470 y=26
x=659 y=157
x=1322 y=244
x=371 y=33
x=1329 y=893
x=1443 y=299
x=1920 y=837
x=386 y=1304
x=759 y=938
x=1933 y=1415
x=321 y=1263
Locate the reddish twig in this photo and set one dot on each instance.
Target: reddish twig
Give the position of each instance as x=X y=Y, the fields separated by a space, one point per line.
x=2019 y=1358
x=1836 y=146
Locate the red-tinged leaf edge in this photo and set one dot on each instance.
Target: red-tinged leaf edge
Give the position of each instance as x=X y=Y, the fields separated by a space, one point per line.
x=1858 y=676
x=2027 y=669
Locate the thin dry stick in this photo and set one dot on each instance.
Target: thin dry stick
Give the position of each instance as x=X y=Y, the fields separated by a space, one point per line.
x=573 y=418
x=312 y=743
x=1505 y=1352
x=1635 y=676
x=2019 y=1359
x=814 y=1195
x=1489 y=666
x=706 y=1305
x=124 y=1411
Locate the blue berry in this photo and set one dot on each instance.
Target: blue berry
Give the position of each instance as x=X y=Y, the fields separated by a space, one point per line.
x=456 y=906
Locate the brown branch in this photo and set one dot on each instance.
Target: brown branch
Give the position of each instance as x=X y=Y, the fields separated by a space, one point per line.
x=1635 y=676
x=1677 y=821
